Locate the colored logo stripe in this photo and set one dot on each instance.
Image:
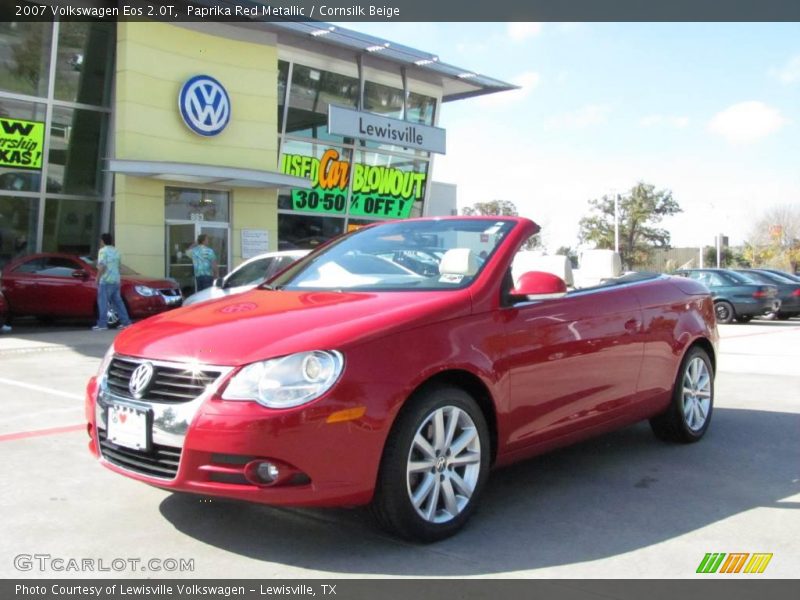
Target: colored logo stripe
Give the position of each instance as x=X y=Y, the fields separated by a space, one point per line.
x=735 y=561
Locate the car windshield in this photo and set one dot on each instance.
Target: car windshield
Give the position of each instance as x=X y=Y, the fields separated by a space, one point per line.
x=776 y=277
x=748 y=277
x=251 y=273
x=403 y=255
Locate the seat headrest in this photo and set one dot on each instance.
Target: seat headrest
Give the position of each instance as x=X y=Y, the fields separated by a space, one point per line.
x=459 y=261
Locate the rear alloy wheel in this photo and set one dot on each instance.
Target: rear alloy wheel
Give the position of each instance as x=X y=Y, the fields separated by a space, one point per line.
x=724 y=311
x=689 y=415
x=434 y=467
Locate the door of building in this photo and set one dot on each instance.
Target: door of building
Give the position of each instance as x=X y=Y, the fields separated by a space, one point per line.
x=180 y=237
x=188 y=213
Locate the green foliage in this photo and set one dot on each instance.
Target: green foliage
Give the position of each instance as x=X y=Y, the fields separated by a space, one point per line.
x=501 y=208
x=639 y=210
x=504 y=208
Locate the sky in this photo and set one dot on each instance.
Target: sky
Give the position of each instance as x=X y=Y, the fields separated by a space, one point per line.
x=708 y=111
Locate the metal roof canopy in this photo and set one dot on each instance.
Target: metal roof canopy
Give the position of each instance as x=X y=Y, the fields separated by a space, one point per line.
x=457 y=83
x=206 y=174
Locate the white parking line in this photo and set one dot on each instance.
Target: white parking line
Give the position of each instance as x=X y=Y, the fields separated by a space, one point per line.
x=39 y=388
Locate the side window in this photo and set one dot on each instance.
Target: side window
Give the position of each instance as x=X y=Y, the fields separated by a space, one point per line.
x=59 y=267
x=31 y=266
x=715 y=280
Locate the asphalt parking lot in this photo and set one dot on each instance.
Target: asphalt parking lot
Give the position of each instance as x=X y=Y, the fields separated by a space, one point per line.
x=620 y=506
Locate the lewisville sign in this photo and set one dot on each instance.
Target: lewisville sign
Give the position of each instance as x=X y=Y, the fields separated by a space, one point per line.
x=377 y=191
x=376 y=128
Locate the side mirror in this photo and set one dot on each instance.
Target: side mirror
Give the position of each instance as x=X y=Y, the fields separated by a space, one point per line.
x=538 y=285
x=80 y=274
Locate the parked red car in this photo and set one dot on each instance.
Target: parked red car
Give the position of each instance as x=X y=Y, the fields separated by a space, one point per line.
x=347 y=380
x=3 y=309
x=64 y=285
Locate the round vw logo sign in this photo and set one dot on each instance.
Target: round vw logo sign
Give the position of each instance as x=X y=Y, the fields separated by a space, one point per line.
x=204 y=105
x=140 y=379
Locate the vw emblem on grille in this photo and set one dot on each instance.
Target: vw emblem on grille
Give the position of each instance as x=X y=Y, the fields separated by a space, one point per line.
x=140 y=379
x=204 y=105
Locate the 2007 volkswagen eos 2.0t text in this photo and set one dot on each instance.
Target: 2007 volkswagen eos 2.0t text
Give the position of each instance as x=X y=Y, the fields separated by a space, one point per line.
x=394 y=367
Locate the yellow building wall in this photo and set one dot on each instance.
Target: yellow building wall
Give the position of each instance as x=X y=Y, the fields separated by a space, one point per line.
x=153 y=62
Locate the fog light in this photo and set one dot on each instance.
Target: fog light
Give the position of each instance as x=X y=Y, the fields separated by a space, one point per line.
x=267 y=472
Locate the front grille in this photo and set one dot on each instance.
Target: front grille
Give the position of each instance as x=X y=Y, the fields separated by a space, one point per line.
x=160 y=461
x=169 y=384
x=170 y=292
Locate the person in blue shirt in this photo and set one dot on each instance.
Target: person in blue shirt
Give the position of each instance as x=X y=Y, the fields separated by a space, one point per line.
x=204 y=261
x=108 y=285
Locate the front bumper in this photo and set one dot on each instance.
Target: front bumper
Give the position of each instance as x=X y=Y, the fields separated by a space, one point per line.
x=208 y=446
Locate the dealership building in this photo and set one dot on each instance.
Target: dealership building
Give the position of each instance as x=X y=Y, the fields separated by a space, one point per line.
x=261 y=135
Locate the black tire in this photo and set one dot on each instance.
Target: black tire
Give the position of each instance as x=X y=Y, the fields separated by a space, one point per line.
x=744 y=318
x=392 y=504
x=674 y=425
x=724 y=311
x=784 y=316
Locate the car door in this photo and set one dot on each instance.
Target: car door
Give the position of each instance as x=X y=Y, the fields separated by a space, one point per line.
x=19 y=287
x=572 y=362
x=63 y=291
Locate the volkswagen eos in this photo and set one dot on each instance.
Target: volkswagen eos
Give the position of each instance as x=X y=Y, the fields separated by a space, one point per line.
x=395 y=367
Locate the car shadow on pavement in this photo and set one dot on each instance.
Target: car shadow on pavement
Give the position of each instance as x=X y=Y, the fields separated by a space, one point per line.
x=28 y=335
x=612 y=495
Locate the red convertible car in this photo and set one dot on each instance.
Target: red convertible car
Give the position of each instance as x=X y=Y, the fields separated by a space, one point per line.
x=350 y=380
x=52 y=286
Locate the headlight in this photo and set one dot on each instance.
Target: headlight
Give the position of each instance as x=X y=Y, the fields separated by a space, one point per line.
x=144 y=290
x=106 y=361
x=288 y=381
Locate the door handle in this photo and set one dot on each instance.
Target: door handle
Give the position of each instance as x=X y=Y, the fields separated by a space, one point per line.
x=632 y=325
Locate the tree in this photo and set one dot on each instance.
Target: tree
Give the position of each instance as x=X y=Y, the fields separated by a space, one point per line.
x=501 y=208
x=639 y=210
x=774 y=240
x=493 y=208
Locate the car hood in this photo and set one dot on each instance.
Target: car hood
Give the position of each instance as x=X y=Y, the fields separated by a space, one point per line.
x=262 y=324
x=213 y=293
x=149 y=281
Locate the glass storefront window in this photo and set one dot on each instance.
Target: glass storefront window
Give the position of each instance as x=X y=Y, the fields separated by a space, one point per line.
x=306 y=232
x=18 y=220
x=184 y=204
x=25 y=52
x=283 y=78
x=85 y=59
x=311 y=92
x=421 y=109
x=328 y=168
x=383 y=100
x=72 y=226
x=77 y=140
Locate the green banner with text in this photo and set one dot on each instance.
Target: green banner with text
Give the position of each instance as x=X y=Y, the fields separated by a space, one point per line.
x=21 y=143
x=377 y=191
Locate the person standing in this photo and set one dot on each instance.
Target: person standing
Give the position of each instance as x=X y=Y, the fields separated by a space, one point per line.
x=108 y=285
x=204 y=261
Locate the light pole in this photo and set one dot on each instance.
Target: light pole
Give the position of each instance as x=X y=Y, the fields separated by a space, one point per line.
x=616 y=222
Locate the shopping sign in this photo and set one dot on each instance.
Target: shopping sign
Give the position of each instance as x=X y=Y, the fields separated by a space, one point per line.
x=377 y=191
x=21 y=143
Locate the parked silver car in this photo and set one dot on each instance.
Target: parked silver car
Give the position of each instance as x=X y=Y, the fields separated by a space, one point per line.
x=248 y=275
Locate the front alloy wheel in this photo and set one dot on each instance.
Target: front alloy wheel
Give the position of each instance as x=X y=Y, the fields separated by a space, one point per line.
x=434 y=466
x=444 y=464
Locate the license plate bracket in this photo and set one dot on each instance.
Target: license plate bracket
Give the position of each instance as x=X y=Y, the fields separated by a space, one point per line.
x=130 y=426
